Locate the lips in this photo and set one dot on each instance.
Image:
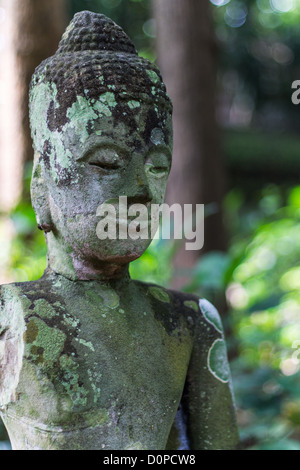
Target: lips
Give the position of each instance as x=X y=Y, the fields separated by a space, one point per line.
x=142 y=223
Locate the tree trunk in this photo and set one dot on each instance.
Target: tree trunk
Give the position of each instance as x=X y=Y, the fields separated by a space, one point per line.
x=31 y=30
x=38 y=27
x=186 y=54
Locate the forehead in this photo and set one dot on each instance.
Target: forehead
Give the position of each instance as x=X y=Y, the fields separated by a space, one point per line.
x=124 y=117
x=51 y=112
x=128 y=123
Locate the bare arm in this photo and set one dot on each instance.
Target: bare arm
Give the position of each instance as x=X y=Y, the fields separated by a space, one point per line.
x=11 y=343
x=208 y=401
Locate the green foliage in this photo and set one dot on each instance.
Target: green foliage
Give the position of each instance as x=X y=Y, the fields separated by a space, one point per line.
x=23 y=252
x=155 y=266
x=264 y=297
x=259 y=59
x=258 y=156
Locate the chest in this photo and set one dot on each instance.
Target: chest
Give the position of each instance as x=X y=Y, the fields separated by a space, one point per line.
x=117 y=370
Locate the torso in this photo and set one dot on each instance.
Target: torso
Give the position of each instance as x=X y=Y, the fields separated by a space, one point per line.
x=101 y=367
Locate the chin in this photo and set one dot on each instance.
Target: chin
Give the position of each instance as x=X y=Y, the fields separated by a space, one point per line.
x=116 y=251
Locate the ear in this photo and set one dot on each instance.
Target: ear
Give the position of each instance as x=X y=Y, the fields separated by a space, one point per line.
x=40 y=196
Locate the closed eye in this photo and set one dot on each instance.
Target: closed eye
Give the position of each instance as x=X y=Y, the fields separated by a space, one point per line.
x=105 y=165
x=105 y=158
x=158 y=163
x=157 y=171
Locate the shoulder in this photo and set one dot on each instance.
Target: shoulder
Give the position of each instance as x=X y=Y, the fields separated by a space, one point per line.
x=175 y=300
x=17 y=298
x=198 y=313
x=12 y=328
x=16 y=303
x=11 y=306
x=211 y=315
x=20 y=299
x=206 y=317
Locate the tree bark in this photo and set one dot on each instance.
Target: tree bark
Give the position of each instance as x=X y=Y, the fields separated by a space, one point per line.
x=38 y=27
x=30 y=32
x=187 y=55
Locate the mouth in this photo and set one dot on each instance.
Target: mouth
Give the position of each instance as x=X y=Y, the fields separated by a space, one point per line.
x=142 y=218
x=128 y=221
x=132 y=220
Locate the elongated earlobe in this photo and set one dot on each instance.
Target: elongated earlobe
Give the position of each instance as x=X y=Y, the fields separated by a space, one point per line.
x=40 y=199
x=45 y=227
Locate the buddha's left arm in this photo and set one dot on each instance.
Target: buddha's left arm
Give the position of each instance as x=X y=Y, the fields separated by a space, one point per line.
x=209 y=401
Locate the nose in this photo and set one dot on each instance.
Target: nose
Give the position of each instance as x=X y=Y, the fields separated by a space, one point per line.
x=138 y=190
x=142 y=195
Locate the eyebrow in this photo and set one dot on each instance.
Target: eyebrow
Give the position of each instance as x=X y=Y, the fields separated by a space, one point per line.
x=94 y=146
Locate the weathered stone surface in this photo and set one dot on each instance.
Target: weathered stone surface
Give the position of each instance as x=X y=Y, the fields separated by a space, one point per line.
x=90 y=359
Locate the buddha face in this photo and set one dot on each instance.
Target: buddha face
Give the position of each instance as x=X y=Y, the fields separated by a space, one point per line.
x=104 y=150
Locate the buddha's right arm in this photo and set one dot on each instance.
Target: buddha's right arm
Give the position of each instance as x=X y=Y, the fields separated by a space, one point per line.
x=11 y=342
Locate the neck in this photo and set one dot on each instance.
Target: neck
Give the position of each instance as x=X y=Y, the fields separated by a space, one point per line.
x=65 y=262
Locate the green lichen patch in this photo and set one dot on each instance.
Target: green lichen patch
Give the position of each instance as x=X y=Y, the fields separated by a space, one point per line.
x=44 y=310
x=135 y=446
x=77 y=392
x=69 y=320
x=211 y=314
x=97 y=418
x=71 y=381
x=77 y=116
x=153 y=76
x=38 y=354
x=95 y=380
x=102 y=109
x=110 y=298
x=87 y=344
x=31 y=332
x=159 y=294
x=217 y=361
x=134 y=104
x=191 y=304
x=50 y=339
x=109 y=99
x=157 y=136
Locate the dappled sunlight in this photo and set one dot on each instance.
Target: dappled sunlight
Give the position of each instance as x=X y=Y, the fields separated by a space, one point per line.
x=289 y=367
x=237 y=296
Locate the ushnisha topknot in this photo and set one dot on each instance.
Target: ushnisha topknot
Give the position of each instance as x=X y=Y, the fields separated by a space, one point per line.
x=95 y=56
x=94 y=32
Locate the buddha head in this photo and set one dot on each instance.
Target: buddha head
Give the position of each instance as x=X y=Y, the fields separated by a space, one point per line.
x=101 y=124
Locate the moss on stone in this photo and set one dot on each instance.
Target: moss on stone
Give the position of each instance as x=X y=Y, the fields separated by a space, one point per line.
x=191 y=304
x=159 y=294
x=217 y=361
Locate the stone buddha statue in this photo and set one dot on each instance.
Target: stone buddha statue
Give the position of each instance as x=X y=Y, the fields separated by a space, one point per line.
x=90 y=359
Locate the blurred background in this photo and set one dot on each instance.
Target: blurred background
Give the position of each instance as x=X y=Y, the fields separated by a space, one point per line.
x=229 y=66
